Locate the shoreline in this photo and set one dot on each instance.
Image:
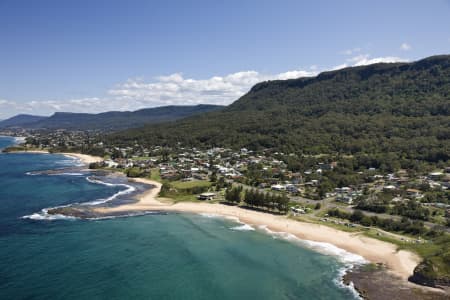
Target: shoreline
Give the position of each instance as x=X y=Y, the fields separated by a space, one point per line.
x=86 y=159
x=399 y=262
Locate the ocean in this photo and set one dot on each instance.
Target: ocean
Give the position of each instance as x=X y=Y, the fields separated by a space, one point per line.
x=154 y=256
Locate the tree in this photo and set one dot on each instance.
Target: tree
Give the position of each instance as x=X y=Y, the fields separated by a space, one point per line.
x=366 y=221
x=356 y=216
x=233 y=194
x=213 y=177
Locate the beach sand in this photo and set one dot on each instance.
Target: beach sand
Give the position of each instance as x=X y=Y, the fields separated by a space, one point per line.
x=401 y=263
x=84 y=158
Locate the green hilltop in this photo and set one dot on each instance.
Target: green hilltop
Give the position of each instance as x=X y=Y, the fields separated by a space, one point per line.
x=400 y=110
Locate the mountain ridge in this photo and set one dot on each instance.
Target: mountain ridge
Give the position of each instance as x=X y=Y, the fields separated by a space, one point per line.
x=111 y=120
x=403 y=108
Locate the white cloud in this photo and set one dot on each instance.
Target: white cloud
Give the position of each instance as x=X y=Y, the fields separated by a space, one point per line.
x=173 y=89
x=405 y=47
x=338 y=67
x=350 y=51
x=365 y=59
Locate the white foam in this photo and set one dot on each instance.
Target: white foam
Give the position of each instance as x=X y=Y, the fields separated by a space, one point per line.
x=44 y=215
x=321 y=247
x=70 y=161
x=129 y=189
x=209 y=215
x=244 y=227
x=32 y=173
x=19 y=139
x=67 y=174
x=340 y=282
x=347 y=258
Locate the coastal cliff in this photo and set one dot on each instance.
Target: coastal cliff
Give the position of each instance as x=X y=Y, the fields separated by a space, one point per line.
x=430 y=274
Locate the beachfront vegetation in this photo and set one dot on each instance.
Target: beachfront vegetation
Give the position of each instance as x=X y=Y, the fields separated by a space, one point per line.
x=234 y=194
x=257 y=199
x=432 y=245
x=268 y=201
x=405 y=225
x=183 y=191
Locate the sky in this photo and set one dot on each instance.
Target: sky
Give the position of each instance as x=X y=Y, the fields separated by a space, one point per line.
x=94 y=56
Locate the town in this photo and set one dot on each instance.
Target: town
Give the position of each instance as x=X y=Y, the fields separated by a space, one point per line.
x=316 y=187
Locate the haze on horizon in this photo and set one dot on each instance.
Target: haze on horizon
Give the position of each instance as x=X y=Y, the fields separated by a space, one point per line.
x=126 y=55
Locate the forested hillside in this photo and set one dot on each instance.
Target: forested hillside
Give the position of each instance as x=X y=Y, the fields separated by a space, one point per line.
x=108 y=121
x=398 y=110
x=20 y=120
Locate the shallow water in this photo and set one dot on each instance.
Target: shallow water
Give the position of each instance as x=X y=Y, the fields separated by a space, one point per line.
x=157 y=256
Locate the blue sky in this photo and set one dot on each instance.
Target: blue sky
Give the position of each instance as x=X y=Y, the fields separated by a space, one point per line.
x=92 y=56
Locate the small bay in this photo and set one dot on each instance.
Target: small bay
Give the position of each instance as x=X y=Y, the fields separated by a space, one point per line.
x=156 y=256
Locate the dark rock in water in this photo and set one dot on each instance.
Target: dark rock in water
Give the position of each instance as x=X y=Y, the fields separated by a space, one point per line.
x=73 y=211
x=375 y=282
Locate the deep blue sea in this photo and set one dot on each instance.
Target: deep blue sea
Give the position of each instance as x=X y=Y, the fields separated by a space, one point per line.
x=157 y=256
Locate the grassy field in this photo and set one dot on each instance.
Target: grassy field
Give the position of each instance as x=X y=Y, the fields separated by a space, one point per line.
x=155 y=175
x=182 y=185
x=184 y=190
x=139 y=158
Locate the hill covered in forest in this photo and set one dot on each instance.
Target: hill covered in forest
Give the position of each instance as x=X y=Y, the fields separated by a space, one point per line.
x=20 y=120
x=107 y=121
x=397 y=109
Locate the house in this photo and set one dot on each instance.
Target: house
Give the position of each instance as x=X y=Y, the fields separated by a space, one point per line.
x=291 y=188
x=389 y=188
x=435 y=175
x=344 y=198
x=342 y=190
x=111 y=164
x=206 y=196
x=297 y=210
x=414 y=193
x=278 y=187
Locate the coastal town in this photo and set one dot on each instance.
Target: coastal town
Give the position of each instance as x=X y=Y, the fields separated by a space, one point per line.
x=317 y=187
x=274 y=150
x=408 y=208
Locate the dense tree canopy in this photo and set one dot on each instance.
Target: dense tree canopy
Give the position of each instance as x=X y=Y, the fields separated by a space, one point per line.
x=401 y=110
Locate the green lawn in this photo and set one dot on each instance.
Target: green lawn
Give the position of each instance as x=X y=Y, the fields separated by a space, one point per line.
x=190 y=184
x=185 y=190
x=141 y=158
x=155 y=175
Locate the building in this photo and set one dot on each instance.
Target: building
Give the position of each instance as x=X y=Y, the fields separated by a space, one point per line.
x=414 y=193
x=278 y=187
x=206 y=196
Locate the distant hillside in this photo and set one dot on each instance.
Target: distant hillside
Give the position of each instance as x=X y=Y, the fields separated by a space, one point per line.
x=110 y=121
x=401 y=109
x=20 y=120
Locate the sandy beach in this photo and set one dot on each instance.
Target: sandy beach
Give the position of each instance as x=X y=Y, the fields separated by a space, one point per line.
x=84 y=158
x=401 y=263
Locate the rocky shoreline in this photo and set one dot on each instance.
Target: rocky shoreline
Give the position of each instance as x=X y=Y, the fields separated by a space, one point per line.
x=374 y=281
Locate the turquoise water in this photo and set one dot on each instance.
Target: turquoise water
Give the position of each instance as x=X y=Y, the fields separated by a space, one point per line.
x=6 y=141
x=158 y=256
